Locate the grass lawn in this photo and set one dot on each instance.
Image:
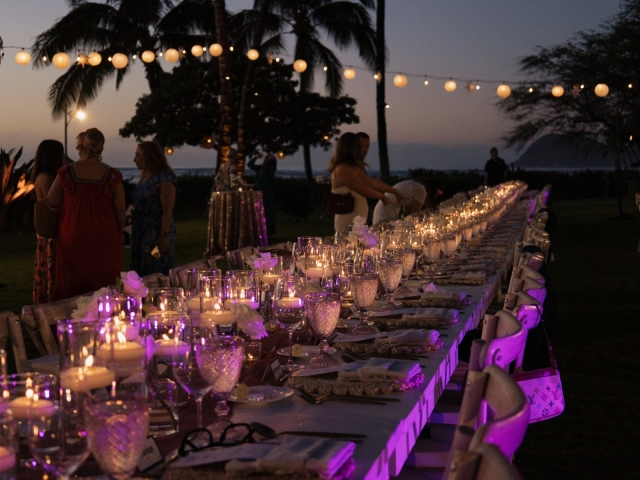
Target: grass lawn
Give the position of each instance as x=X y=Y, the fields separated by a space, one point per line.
x=597 y=341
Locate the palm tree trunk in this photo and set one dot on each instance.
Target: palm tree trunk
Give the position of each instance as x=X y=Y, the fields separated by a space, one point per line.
x=248 y=82
x=226 y=89
x=381 y=104
x=306 y=149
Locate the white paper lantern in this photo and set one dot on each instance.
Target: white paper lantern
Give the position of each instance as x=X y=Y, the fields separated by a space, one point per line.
x=119 y=60
x=400 y=81
x=602 y=90
x=61 y=60
x=300 y=65
x=171 y=55
x=215 y=49
x=557 y=91
x=450 y=86
x=148 y=56
x=23 y=58
x=197 y=50
x=349 y=73
x=253 y=54
x=94 y=59
x=503 y=91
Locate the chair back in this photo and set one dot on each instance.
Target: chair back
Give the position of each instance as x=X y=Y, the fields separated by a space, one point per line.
x=156 y=280
x=486 y=462
x=40 y=319
x=526 y=271
x=505 y=337
x=178 y=275
x=534 y=289
x=236 y=258
x=10 y=325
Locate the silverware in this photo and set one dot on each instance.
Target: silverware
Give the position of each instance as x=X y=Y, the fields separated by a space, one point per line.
x=326 y=398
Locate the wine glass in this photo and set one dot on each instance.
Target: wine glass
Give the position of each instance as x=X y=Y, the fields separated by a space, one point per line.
x=364 y=287
x=408 y=259
x=220 y=362
x=288 y=308
x=117 y=431
x=57 y=436
x=390 y=273
x=323 y=310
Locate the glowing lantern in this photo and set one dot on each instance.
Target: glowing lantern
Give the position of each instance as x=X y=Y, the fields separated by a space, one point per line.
x=171 y=55
x=299 y=65
x=215 y=49
x=602 y=90
x=400 y=81
x=349 y=73
x=148 y=56
x=557 y=91
x=60 y=60
x=23 y=58
x=119 y=60
x=280 y=155
x=168 y=150
x=94 y=59
x=503 y=91
x=253 y=54
x=197 y=50
x=450 y=86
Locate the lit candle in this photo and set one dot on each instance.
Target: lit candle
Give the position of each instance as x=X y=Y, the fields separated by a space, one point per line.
x=123 y=351
x=168 y=347
x=270 y=278
x=218 y=317
x=193 y=304
x=22 y=407
x=241 y=301
x=7 y=459
x=317 y=272
x=83 y=379
x=291 y=301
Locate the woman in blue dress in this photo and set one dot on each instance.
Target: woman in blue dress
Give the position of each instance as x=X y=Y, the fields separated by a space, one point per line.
x=153 y=233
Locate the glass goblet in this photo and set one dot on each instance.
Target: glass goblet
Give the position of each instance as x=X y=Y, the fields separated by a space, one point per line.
x=390 y=273
x=364 y=287
x=323 y=310
x=220 y=362
x=288 y=308
x=117 y=432
x=408 y=258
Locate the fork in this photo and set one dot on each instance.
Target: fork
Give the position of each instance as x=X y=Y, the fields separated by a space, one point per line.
x=326 y=398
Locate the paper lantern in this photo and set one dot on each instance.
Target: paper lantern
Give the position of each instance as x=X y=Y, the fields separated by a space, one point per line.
x=253 y=54
x=148 y=56
x=197 y=50
x=171 y=55
x=450 y=86
x=94 y=59
x=168 y=150
x=400 y=81
x=119 y=60
x=602 y=90
x=215 y=49
x=349 y=73
x=557 y=91
x=503 y=91
x=299 y=65
x=60 y=60
x=23 y=58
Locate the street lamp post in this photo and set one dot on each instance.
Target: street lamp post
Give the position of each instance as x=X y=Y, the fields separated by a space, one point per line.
x=67 y=119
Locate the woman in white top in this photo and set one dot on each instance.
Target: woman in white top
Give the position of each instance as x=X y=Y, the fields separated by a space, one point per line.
x=348 y=176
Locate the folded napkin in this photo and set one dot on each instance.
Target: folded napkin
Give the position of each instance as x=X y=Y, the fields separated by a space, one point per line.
x=413 y=335
x=88 y=305
x=468 y=277
x=430 y=291
x=428 y=312
x=383 y=367
x=299 y=454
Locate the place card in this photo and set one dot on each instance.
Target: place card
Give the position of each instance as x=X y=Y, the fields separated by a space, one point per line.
x=276 y=369
x=246 y=451
x=151 y=455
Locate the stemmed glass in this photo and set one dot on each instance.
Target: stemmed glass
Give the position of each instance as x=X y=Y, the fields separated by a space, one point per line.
x=288 y=307
x=323 y=310
x=364 y=287
x=390 y=273
x=220 y=362
x=408 y=259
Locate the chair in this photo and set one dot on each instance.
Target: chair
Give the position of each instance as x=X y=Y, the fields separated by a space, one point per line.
x=156 y=280
x=485 y=462
x=534 y=288
x=178 y=275
x=236 y=258
x=10 y=329
x=39 y=319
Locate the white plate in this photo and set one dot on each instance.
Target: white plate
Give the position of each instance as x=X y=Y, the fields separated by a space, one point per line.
x=264 y=394
x=307 y=351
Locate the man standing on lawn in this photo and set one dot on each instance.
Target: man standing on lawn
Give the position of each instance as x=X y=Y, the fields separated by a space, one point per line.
x=495 y=170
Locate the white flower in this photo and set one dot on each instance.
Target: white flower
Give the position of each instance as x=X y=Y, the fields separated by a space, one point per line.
x=368 y=240
x=133 y=284
x=264 y=262
x=87 y=306
x=359 y=221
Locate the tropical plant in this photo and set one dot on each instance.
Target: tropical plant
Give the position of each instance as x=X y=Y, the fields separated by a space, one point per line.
x=344 y=23
x=14 y=182
x=381 y=103
x=117 y=26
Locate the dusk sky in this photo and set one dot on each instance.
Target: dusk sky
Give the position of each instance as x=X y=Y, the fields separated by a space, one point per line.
x=428 y=127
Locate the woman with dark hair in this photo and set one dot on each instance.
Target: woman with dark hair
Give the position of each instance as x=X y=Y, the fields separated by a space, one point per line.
x=47 y=162
x=348 y=175
x=265 y=174
x=90 y=198
x=153 y=233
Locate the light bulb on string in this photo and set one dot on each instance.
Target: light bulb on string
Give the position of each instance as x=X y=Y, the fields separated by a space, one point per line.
x=601 y=90
x=61 y=60
x=197 y=51
x=231 y=49
x=349 y=73
x=23 y=58
x=426 y=82
x=215 y=49
x=148 y=56
x=530 y=89
x=253 y=54
x=325 y=68
x=503 y=90
x=630 y=86
x=119 y=60
x=171 y=55
x=134 y=56
x=557 y=91
x=400 y=80
x=300 y=65
x=450 y=86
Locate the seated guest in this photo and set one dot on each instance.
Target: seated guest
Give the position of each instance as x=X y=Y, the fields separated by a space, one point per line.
x=414 y=196
x=435 y=189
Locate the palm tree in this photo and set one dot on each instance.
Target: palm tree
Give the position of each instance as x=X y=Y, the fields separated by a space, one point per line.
x=117 y=26
x=226 y=83
x=345 y=23
x=381 y=104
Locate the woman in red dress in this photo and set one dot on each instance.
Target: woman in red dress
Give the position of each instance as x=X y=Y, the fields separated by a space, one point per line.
x=90 y=197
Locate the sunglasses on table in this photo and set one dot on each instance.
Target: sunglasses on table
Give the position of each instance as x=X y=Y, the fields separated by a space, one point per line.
x=234 y=434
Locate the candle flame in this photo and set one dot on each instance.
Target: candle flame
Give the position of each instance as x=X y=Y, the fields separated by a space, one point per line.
x=29 y=394
x=122 y=338
x=241 y=293
x=165 y=337
x=292 y=293
x=89 y=361
x=216 y=306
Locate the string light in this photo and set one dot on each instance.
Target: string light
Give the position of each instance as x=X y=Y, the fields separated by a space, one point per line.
x=349 y=73
x=253 y=54
x=325 y=68
x=557 y=91
x=426 y=82
x=148 y=56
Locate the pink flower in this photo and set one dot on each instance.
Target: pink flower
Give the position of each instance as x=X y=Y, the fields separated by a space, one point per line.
x=133 y=284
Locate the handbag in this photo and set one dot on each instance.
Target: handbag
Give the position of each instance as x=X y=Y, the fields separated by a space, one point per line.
x=543 y=388
x=45 y=220
x=341 y=204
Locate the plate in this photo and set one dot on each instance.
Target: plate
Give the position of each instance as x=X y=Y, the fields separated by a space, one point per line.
x=264 y=394
x=307 y=351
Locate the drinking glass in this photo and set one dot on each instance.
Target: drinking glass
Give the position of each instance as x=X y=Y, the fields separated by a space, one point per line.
x=323 y=310
x=241 y=288
x=407 y=257
x=390 y=273
x=117 y=431
x=288 y=308
x=220 y=362
x=57 y=436
x=449 y=245
x=364 y=287
x=165 y=299
x=8 y=448
x=192 y=292
x=27 y=394
x=306 y=250
x=215 y=316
